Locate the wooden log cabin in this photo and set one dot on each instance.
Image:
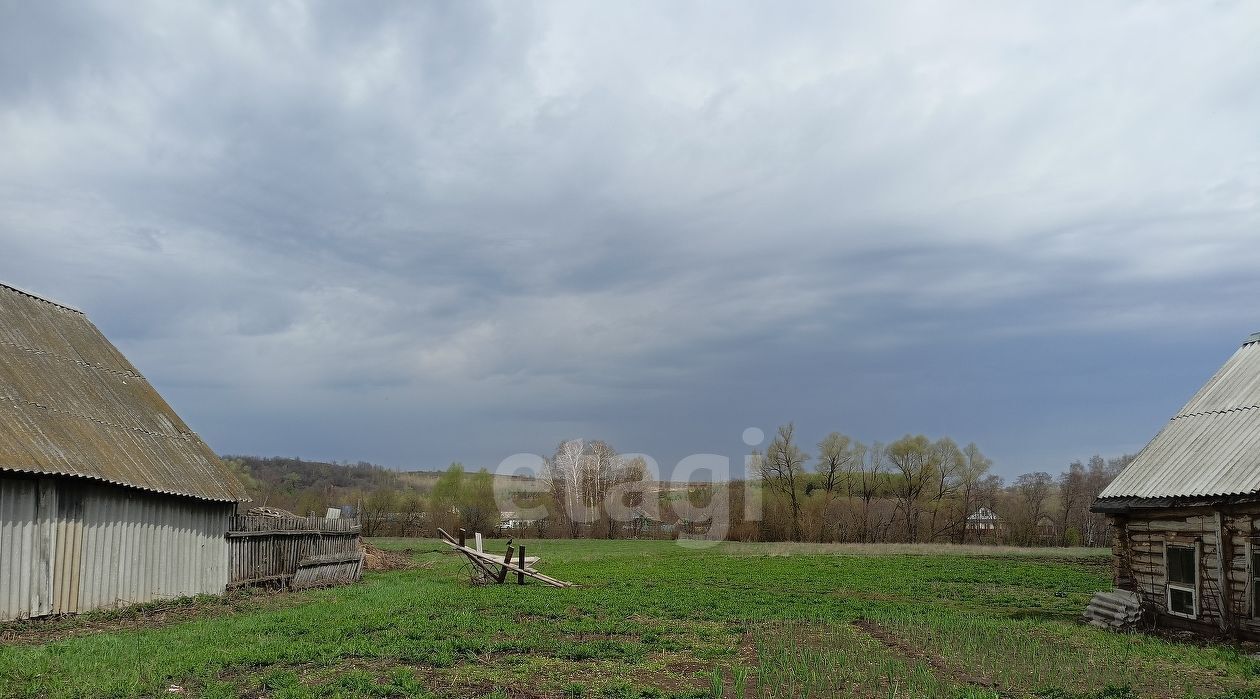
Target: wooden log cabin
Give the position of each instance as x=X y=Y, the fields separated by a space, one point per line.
x=1186 y=511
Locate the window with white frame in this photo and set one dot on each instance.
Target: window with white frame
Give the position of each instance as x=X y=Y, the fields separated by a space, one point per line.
x=1255 y=579
x=1181 y=567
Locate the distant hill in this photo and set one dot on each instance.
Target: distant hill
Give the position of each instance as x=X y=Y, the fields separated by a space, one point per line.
x=310 y=486
x=504 y=485
x=304 y=486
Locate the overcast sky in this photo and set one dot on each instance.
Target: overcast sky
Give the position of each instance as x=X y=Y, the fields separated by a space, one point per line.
x=415 y=233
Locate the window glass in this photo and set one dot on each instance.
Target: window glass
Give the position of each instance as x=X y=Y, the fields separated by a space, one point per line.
x=1181 y=565
x=1255 y=579
x=1181 y=601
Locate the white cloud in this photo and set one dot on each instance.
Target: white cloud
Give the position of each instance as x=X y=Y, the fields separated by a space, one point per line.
x=510 y=208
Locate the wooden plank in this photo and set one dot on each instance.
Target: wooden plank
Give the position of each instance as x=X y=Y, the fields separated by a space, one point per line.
x=491 y=573
x=1222 y=585
x=255 y=581
x=461 y=548
x=507 y=558
x=520 y=577
x=1193 y=524
x=531 y=573
x=1148 y=580
x=261 y=548
x=450 y=541
x=259 y=523
x=330 y=558
x=335 y=573
x=290 y=532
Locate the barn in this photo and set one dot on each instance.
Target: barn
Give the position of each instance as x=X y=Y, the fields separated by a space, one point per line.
x=106 y=497
x=1186 y=511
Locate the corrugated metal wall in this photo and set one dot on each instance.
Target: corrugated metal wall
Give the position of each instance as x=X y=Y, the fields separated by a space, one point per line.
x=106 y=546
x=23 y=590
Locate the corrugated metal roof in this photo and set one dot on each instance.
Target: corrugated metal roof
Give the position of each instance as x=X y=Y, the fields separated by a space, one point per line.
x=1211 y=447
x=71 y=404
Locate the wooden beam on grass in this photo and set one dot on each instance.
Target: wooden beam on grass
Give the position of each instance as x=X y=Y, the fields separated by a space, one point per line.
x=507 y=560
x=487 y=558
x=484 y=567
x=531 y=573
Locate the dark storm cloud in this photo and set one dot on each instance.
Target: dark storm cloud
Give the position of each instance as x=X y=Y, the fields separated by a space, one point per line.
x=417 y=232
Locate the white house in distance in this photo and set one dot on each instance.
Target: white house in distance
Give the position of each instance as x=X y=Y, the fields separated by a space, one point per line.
x=983 y=523
x=106 y=497
x=509 y=520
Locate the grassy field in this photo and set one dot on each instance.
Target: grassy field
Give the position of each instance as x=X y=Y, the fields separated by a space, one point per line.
x=650 y=619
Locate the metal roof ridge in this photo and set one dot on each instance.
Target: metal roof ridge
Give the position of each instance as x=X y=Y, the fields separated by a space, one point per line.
x=185 y=436
x=119 y=483
x=1216 y=412
x=125 y=373
x=39 y=297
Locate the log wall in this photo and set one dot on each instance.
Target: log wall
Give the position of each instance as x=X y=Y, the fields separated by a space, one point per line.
x=1221 y=534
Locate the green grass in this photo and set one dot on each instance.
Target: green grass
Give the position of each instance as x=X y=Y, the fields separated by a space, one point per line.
x=650 y=619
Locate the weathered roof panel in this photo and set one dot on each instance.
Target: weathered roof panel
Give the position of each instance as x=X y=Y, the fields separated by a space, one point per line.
x=71 y=404
x=1211 y=448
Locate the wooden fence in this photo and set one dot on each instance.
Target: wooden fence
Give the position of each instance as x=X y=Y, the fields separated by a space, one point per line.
x=265 y=549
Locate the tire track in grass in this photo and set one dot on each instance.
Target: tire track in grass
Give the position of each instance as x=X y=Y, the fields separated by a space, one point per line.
x=899 y=646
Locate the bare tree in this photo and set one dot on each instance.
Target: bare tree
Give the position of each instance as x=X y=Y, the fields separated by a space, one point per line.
x=600 y=468
x=916 y=464
x=871 y=471
x=1033 y=491
x=950 y=463
x=376 y=510
x=975 y=466
x=781 y=469
x=626 y=497
x=412 y=512
x=580 y=476
x=563 y=474
x=837 y=456
x=1073 y=490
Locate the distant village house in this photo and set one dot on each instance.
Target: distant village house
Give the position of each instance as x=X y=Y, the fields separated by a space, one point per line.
x=983 y=525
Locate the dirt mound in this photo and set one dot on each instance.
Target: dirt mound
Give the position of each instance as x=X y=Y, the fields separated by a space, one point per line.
x=379 y=559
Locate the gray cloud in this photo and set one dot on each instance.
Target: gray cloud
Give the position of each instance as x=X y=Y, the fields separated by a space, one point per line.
x=417 y=232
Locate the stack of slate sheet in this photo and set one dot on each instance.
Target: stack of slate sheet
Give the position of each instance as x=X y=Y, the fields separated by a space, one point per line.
x=1119 y=610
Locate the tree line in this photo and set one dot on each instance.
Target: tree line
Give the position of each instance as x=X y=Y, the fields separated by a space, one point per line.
x=914 y=489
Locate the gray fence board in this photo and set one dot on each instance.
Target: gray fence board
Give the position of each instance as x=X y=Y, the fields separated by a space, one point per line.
x=270 y=549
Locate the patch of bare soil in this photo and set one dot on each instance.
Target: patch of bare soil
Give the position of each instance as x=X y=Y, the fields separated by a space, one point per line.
x=152 y=615
x=379 y=559
x=483 y=689
x=908 y=650
x=442 y=685
x=1077 y=561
